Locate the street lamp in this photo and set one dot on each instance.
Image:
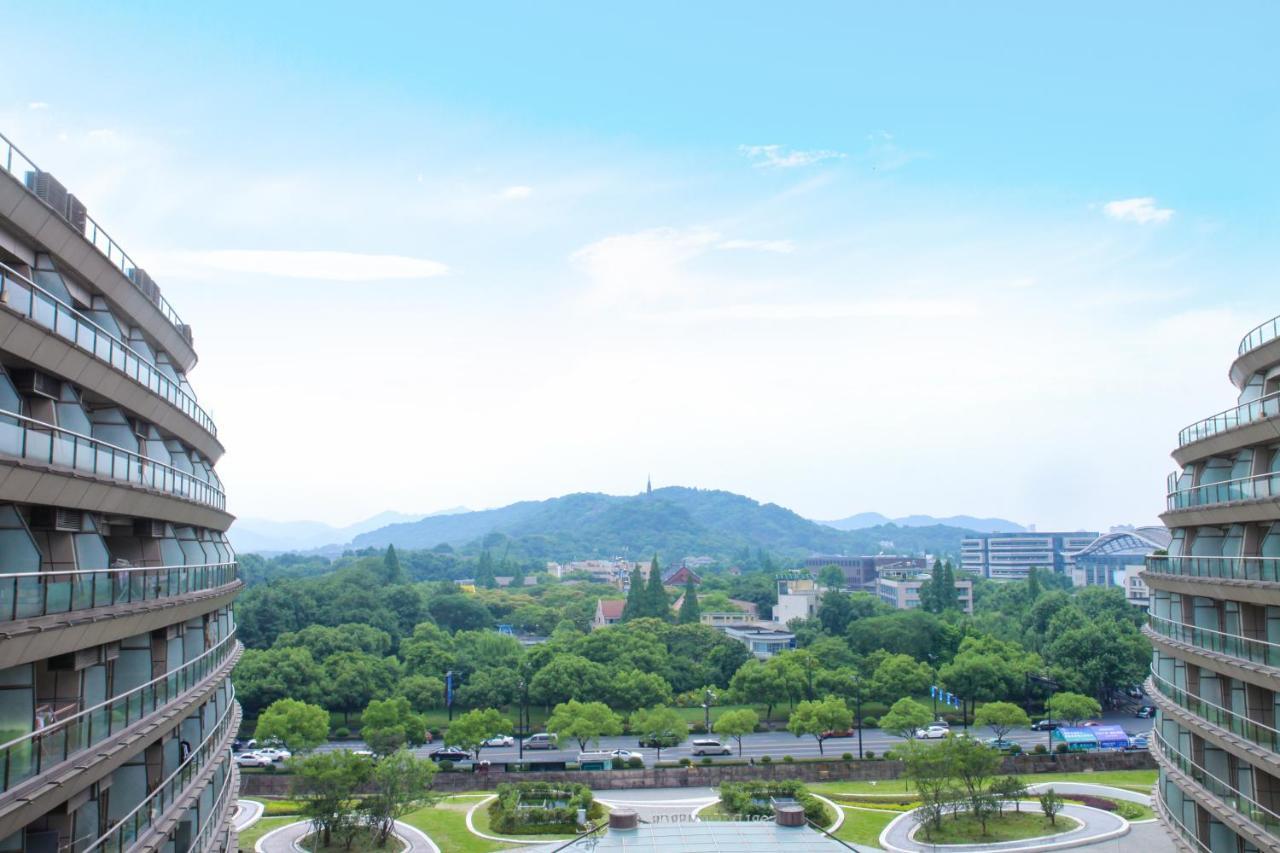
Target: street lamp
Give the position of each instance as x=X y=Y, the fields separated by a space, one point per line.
x=448 y=693
x=520 y=726
x=708 y=699
x=857 y=709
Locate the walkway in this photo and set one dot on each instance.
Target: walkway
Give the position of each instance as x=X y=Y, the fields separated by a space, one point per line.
x=286 y=839
x=247 y=814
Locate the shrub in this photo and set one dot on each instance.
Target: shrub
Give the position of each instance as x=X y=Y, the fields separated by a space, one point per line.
x=618 y=763
x=787 y=759
x=635 y=762
x=1092 y=801
x=507 y=815
x=706 y=759
x=870 y=753
x=342 y=733
x=698 y=728
x=765 y=759
x=686 y=761
x=1015 y=749
x=446 y=765
x=1061 y=749
x=848 y=756
x=870 y=722
x=1040 y=749
x=1128 y=810
x=752 y=799
x=276 y=808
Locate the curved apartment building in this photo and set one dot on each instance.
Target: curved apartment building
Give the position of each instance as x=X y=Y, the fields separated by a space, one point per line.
x=1215 y=620
x=116 y=580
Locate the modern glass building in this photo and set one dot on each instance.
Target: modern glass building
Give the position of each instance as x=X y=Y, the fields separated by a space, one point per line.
x=116 y=580
x=1012 y=556
x=1118 y=559
x=1215 y=620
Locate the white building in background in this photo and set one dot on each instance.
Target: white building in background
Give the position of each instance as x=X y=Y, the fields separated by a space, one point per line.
x=797 y=597
x=1012 y=556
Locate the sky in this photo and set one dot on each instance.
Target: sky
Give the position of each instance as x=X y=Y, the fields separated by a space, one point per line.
x=939 y=258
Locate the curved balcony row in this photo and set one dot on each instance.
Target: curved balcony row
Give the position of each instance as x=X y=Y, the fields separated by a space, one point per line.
x=20 y=165
x=30 y=754
x=153 y=809
x=35 y=441
x=1238 y=801
x=1186 y=836
x=1241 y=415
x=1222 y=568
x=1264 y=333
x=26 y=595
x=1250 y=730
x=1256 y=488
x=1244 y=648
x=24 y=297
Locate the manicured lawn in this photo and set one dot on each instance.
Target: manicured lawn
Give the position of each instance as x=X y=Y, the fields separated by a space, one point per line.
x=481 y=822
x=250 y=836
x=363 y=843
x=1134 y=780
x=446 y=823
x=863 y=826
x=965 y=829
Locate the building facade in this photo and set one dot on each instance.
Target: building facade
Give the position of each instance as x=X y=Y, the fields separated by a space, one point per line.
x=1214 y=620
x=901 y=589
x=1012 y=556
x=1118 y=559
x=860 y=573
x=797 y=597
x=117 y=636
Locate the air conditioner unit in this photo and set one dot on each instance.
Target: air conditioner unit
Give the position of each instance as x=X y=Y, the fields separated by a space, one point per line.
x=148 y=529
x=56 y=518
x=29 y=381
x=77 y=213
x=47 y=189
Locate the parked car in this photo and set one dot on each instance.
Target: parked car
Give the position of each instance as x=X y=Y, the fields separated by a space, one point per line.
x=1002 y=744
x=708 y=746
x=367 y=753
x=449 y=753
x=933 y=732
x=1088 y=724
x=1146 y=712
x=542 y=740
x=501 y=740
x=252 y=759
x=1045 y=725
x=838 y=733
x=275 y=754
x=625 y=754
x=1137 y=741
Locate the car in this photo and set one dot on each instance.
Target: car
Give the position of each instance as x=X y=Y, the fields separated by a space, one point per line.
x=625 y=754
x=237 y=745
x=1045 y=725
x=1146 y=712
x=837 y=733
x=367 y=753
x=501 y=740
x=542 y=740
x=934 y=731
x=659 y=741
x=1137 y=741
x=1002 y=744
x=252 y=759
x=449 y=753
x=275 y=754
x=1088 y=724
x=707 y=746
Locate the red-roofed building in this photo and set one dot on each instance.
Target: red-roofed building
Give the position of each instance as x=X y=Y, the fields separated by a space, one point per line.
x=681 y=576
x=608 y=612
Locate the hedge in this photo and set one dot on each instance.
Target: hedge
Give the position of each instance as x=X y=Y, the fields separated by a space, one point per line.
x=751 y=799
x=505 y=814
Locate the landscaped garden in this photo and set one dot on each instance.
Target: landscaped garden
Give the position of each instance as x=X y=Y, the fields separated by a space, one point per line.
x=753 y=800
x=446 y=823
x=1010 y=826
x=539 y=809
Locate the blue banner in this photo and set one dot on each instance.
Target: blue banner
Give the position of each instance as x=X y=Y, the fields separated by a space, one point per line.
x=448 y=689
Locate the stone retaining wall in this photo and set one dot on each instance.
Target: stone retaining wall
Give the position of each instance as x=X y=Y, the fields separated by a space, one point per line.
x=702 y=776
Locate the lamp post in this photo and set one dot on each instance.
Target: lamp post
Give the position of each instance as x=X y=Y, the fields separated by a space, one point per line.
x=520 y=726
x=448 y=693
x=857 y=709
x=708 y=699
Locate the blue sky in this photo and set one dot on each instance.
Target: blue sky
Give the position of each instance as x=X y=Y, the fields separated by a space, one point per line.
x=942 y=258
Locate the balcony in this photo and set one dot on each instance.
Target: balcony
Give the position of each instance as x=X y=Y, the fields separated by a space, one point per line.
x=1234 y=418
x=45 y=444
x=1250 y=810
x=28 y=595
x=1257 y=488
x=1243 y=648
x=1244 y=728
x=1219 y=568
x=28 y=756
x=1256 y=337
x=1183 y=837
x=24 y=297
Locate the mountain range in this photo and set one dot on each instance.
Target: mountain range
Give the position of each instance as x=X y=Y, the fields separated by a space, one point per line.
x=264 y=536
x=873 y=519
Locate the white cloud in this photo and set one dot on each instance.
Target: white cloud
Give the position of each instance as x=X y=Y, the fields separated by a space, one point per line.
x=782 y=247
x=1140 y=210
x=870 y=309
x=325 y=266
x=642 y=265
x=38 y=105
x=517 y=193
x=780 y=157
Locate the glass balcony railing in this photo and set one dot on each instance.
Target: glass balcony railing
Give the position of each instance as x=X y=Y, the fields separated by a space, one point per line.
x=1245 y=413
x=35 y=441
x=1172 y=821
x=1260 y=487
x=33 y=753
x=1265 y=333
x=1223 y=568
x=1254 y=651
x=23 y=296
x=1241 y=726
x=28 y=594
x=19 y=166
x=1253 y=811
x=129 y=829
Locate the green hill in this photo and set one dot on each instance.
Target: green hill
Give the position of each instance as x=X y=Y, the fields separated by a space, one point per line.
x=674 y=522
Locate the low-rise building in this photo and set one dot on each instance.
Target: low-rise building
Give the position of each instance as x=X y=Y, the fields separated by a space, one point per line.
x=860 y=573
x=1118 y=559
x=1012 y=556
x=681 y=576
x=901 y=589
x=761 y=641
x=608 y=612
x=797 y=597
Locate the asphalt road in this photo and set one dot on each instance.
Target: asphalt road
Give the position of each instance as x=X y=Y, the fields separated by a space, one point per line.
x=774 y=744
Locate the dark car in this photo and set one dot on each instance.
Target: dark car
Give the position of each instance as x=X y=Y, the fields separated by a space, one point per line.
x=1044 y=725
x=837 y=733
x=448 y=753
x=1146 y=712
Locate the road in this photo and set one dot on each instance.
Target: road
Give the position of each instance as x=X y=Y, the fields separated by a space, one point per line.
x=773 y=744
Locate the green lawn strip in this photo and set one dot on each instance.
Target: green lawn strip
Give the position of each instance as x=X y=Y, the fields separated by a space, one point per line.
x=1140 y=781
x=363 y=843
x=863 y=826
x=250 y=836
x=1010 y=826
x=446 y=823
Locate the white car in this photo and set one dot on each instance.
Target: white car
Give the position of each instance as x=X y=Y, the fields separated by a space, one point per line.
x=625 y=754
x=252 y=759
x=707 y=746
x=933 y=732
x=273 y=754
x=501 y=740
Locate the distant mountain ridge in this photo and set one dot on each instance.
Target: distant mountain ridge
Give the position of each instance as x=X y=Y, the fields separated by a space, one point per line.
x=260 y=535
x=872 y=519
x=673 y=522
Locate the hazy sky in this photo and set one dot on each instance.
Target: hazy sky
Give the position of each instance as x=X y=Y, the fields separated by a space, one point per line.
x=943 y=258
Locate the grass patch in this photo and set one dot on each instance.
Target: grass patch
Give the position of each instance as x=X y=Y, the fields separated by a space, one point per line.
x=250 y=836
x=446 y=823
x=481 y=822
x=1140 y=781
x=863 y=826
x=715 y=811
x=1134 y=811
x=364 y=843
x=965 y=829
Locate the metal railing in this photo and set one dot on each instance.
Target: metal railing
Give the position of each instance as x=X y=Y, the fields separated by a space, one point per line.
x=230 y=785
x=1222 y=568
x=1252 y=731
x=19 y=165
x=1241 y=415
x=121 y=836
x=1260 y=335
x=1245 y=648
x=32 y=753
x=1254 y=811
x=1259 y=487
x=36 y=441
x=1172 y=820
x=23 y=296
x=24 y=595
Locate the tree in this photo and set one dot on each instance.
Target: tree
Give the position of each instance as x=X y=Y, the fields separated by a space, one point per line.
x=491 y=687
x=423 y=692
x=756 y=682
x=400 y=783
x=568 y=677
x=948 y=596
x=262 y=677
x=1010 y=789
x=584 y=722
x=629 y=689
x=690 y=614
x=457 y=612
x=300 y=725
x=485 y=577
x=897 y=676
x=356 y=678
x=931 y=596
x=929 y=769
x=392 y=572
x=974 y=764
x=389 y=724
x=835 y=612
x=816 y=718
x=325 y=785
x=905 y=717
x=1001 y=717
x=737 y=724
x=1051 y=804
x=429 y=651
x=831 y=576
x=635 y=606
x=1072 y=708
x=660 y=726
x=473 y=728
x=517 y=577
x=657 y=604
